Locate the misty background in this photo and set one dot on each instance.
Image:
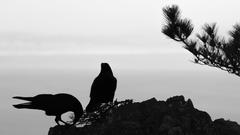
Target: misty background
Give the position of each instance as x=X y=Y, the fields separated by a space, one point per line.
x=53 y=46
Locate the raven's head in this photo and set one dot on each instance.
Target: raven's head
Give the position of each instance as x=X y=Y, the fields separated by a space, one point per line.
x=106 y=69
x=77 y=114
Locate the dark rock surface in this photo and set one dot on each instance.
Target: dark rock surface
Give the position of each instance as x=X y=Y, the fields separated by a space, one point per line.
x=172 y=117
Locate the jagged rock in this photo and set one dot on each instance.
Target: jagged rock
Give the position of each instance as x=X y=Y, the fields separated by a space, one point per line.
x=226 y=127
x=172 y=117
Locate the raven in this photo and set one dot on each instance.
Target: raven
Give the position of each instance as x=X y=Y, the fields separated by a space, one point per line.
x=53 y=105
x=103 y=88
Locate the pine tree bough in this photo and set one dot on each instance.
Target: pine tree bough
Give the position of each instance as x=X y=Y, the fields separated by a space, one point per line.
x=208 y=48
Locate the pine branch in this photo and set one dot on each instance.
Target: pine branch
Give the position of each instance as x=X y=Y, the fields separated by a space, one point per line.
x=207 y=48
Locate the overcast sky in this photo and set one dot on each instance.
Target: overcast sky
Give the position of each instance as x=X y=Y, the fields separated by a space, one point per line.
x=100 y=26
x=126 y=33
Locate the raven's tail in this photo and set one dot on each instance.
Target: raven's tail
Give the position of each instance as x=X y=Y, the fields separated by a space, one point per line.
x=24 y=105
x=27 y=105
x=24 y=98
x=92 y=106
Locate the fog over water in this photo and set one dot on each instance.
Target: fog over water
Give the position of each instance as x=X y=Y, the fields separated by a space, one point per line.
x=211 y=90
x=53 y=46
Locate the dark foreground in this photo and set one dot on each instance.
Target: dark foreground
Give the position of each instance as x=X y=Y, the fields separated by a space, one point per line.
x=172 y=117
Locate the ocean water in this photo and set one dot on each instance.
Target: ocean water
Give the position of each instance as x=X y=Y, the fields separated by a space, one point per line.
x=213 y=91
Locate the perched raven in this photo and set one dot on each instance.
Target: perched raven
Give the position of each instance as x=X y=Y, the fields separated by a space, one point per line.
x=103 y=88
x=53 y=105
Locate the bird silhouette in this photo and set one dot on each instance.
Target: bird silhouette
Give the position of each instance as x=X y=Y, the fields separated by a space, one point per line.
x=103 y=88
x=53 y=105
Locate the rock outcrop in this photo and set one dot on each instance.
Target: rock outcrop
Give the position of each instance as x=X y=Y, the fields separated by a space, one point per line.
x=172 y=117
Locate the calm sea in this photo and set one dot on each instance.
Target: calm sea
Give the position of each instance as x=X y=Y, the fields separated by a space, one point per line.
x=140 y=77
x=214 y=92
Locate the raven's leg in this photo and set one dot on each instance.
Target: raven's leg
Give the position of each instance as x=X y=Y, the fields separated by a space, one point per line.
x=64 y=122
x=57 y=119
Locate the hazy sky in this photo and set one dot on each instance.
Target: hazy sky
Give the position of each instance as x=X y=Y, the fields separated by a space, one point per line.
x=100 y=27
x=79 y=34
x=74 y=34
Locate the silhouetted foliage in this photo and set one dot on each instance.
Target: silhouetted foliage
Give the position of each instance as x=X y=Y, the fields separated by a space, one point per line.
x=102 y=112
x=53 y=105
x=208 y=48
